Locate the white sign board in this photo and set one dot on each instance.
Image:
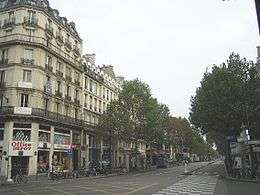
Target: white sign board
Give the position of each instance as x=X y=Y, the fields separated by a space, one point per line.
x=17 y=148
x=23 y=84
x=22 y=110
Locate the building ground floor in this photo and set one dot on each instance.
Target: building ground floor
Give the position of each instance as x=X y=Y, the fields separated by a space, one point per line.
x=37 y=147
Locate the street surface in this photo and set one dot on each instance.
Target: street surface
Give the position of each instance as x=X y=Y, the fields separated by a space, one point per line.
x=154 y=182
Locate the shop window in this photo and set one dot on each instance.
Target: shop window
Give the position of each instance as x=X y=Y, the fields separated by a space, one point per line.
x=61 y=161
x=61 y=139
x=44 y=136
x=43 y=161
x=21 y=135
x=76 y=139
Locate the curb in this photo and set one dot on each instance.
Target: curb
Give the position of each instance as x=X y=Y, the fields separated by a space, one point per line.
x=241 y=180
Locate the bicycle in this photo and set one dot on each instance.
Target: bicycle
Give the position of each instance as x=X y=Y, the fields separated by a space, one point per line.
x=20 y=177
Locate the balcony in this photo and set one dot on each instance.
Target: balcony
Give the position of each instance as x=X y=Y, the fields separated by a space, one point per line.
x=68 y=78
x=27 y=61
x=4 y=61
x=2 y=85
x=59 y=73
x=48 y=67
x=49 y=30
x=76 y=50
x=68 y=98
x=30 y=23
x=68 y=44
x=44 y=115
x=9 y=24
x=76 y=101
x=60 y=38
x=58 y=94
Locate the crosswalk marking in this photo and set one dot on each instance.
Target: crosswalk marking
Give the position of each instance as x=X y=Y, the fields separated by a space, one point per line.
x=195 y=184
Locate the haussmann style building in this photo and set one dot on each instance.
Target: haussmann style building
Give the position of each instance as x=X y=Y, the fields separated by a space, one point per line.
x=51 y=96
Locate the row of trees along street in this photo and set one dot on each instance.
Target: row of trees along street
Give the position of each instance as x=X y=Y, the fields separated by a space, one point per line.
x=228 y=96
x=136 y=116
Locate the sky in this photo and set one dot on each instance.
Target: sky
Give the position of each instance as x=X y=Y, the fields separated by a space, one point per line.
x=168 y=44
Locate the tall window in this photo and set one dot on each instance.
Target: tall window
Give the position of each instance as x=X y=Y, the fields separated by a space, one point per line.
x=2 y=76
x=76 y=113
x=76 y=76
x=10 y=15
x=58 y=107
x=90 y=85
x=60 y=66
x=104 y=106
x=95 y=100
x=90 y=102
x=24 y=100
x=99 y=105
x=68 y=90
x=68 y=71
x=58 y=86
x=85 y=100
x=107 y=94
x=86 y=83
x=28 y=54
x=27 y=75
x=49 y=60
x=31 y=15
x=67 y=111
x=76 y=94
x=4 y=55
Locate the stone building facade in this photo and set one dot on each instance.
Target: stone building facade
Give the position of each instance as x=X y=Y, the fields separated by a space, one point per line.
x=51 y=95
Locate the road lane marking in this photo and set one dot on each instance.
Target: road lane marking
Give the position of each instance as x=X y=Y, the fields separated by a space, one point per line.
x=61 y=191
x=139 y=189
x=23 y=192
x=119 y=187
x=95 y=190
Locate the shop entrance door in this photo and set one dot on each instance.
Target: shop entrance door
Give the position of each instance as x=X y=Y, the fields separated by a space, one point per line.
x=21 y=162
x=75 y=159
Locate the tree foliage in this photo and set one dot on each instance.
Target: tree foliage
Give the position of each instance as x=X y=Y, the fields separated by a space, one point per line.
x=227 y=98
x=136 y=115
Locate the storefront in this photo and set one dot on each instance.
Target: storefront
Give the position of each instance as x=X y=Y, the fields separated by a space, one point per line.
x=21 y=147
x=43 y=161
x=62 y=150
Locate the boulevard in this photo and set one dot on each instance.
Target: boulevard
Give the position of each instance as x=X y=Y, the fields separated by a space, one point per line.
x=153 y=182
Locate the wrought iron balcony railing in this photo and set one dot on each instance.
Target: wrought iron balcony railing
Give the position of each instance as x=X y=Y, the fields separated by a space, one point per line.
x=9 y=23
x=68 y=44
x=30 y=22
x=27 y=61
x=44 y=114
x=49 y=29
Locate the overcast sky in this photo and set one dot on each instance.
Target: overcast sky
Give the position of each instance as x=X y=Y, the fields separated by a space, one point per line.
x=166 y=43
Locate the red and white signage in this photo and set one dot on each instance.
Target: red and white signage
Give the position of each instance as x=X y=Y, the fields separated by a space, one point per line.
x=18 y=147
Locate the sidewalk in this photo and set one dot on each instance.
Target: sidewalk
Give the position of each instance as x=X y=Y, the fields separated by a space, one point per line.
x=236 y=187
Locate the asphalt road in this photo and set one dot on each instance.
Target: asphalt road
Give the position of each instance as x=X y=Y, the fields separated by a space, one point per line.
x=135 y=184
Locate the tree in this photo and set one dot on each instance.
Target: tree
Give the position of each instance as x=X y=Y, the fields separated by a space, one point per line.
x=136 y=115
x=226 y=99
